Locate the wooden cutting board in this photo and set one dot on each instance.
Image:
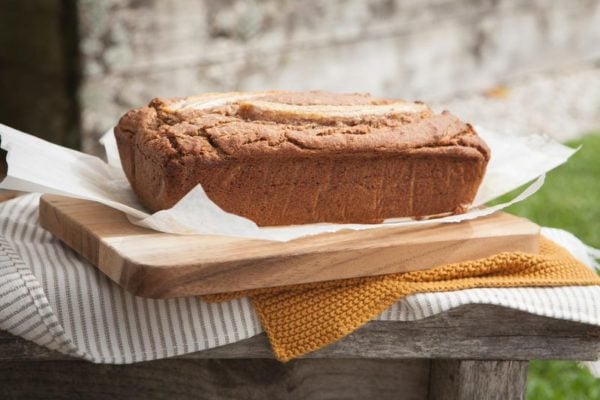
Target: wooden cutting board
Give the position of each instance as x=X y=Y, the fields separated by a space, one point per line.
x=161 y=265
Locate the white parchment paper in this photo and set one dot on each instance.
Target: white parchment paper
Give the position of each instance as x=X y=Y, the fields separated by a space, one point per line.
x=35 y=165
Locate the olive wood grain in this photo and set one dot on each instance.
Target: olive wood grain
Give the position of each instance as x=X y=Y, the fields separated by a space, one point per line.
x=160 y=265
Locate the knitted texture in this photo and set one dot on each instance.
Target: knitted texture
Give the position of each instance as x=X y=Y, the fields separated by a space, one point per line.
x=302 y=318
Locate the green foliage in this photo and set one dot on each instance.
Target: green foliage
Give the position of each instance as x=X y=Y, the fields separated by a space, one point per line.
x=570 y=199
x=560 y=380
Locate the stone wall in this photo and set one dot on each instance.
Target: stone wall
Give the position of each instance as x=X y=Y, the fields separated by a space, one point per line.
x=133 y=50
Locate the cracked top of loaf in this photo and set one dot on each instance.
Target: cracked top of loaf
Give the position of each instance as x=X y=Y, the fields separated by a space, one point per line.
x=242 y=125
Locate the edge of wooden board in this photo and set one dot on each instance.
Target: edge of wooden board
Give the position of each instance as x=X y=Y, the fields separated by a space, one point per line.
x=148 y=276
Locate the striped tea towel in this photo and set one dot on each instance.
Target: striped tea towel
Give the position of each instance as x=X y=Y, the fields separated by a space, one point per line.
x=51 y=296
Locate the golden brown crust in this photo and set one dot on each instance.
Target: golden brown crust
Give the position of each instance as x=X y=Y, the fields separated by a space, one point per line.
x=283 y=158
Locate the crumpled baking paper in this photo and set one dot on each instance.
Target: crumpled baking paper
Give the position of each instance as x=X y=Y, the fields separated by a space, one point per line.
x=35 y=165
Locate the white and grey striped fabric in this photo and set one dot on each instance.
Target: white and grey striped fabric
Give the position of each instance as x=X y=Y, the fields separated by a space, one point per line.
x=51 y=296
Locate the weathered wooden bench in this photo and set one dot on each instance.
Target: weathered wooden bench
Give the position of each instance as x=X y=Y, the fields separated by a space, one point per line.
x=471 y=352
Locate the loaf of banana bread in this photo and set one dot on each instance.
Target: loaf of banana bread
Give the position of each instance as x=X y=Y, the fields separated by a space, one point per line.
x=283 y=158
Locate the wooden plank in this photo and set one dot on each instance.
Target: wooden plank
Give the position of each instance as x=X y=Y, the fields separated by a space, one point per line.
x=218 y=379
x=161 y=265
x=477 y=380
x=468 y=332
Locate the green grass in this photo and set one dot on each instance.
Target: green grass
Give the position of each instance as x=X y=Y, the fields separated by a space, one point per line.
x=570 y=199
x=561 y=380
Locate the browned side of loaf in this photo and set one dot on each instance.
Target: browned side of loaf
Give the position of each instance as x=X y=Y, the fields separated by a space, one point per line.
x=359 y=189
x=271 y=166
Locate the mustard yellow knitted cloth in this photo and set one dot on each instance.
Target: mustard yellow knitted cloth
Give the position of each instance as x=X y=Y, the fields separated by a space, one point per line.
x=302 y=318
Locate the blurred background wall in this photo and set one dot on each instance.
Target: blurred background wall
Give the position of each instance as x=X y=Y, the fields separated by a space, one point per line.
x=70 y=68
